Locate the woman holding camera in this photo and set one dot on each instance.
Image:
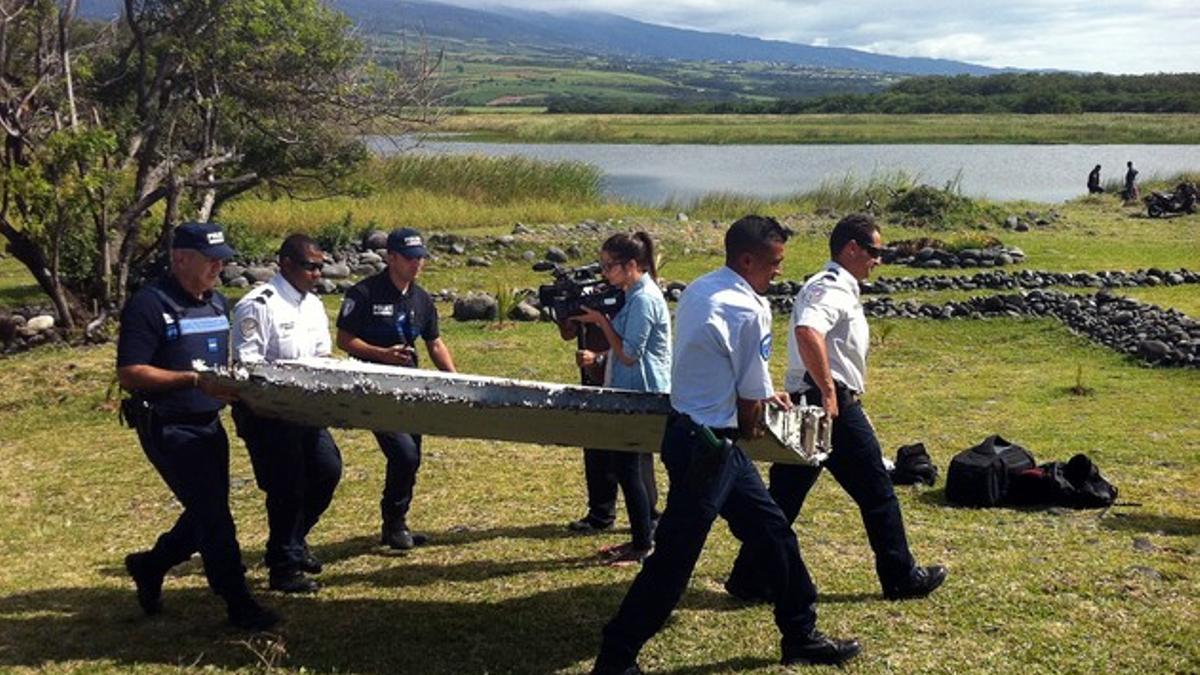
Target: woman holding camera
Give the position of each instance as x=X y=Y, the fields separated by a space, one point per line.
x=638 y=358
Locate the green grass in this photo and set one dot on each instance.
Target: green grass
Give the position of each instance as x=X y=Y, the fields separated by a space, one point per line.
x=505 y=589
x=1109 y=128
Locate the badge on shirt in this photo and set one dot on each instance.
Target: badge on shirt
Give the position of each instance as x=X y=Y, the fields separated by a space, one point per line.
x=213 y=345
x=347 y=306
x=383 y=310
x=249 y=327
x=764 y=348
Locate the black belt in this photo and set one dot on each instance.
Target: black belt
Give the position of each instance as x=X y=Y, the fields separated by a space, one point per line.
x=188 y=418
x=731 y=433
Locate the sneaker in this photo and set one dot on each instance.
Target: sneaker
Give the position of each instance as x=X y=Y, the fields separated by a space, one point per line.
x=924 y=580
x=147 y=580
x=292 y=581
x=818 y=649
x=587 y=526
x=245 y=613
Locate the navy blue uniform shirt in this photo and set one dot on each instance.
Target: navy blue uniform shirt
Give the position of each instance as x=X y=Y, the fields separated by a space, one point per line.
x=164 y=326
x=375 y=311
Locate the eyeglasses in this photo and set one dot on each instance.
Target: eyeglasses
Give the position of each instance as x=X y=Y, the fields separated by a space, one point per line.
x=307 y=265
x=871 y=249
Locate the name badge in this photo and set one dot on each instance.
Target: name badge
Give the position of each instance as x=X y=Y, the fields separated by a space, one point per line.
x=383 y=310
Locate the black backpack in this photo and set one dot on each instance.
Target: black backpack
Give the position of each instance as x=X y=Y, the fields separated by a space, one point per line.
x=1077 y=484
x=913 y=465
x=980 y=476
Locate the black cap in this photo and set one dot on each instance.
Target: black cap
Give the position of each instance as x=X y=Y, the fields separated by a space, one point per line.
x=408 y=243
x=207 y=238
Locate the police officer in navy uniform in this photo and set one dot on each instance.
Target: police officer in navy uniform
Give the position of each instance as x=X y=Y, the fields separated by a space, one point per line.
x=297 y=465
x=165 y=326
x=827 y=364
x=381 y=318
x=720 y=382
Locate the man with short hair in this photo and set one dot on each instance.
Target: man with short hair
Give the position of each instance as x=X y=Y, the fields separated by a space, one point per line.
x=827 y=366
x=297 y=466
x=165 y=326
x=380 y=320
x=720 y=382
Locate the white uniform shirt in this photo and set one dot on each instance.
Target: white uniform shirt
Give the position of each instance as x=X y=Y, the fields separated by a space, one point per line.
x=830 y=304
x=722 y=346
x=275 y=322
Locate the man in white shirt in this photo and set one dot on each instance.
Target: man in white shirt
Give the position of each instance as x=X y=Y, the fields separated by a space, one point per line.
x=297 y=466
x=827 y=365
x=719 y=383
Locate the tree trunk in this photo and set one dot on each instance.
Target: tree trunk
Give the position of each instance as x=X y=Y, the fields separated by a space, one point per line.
x=71 y=312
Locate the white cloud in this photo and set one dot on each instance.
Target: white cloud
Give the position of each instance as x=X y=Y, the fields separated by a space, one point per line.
x=1116 y=36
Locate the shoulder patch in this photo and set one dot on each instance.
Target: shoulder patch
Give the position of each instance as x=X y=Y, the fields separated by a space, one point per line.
x=812 y=294
x=764 y=347
x=249 y=327
x=347 y=306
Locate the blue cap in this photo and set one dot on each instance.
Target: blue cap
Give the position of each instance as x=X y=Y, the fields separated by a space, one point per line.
x=207 y=238
x=408 y=243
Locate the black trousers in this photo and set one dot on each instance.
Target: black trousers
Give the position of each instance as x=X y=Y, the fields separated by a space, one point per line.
x=403 y=453
x=298 y=467
x=193 y=459
x=857 y=465
x=602 y=476
x=733 y=490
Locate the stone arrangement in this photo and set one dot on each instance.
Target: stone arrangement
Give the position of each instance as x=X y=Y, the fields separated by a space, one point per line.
x=936 y=258
x=1027 y=279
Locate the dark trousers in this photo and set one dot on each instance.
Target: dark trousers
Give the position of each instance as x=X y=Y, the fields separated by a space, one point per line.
x=602 y=479
x=403 y=453
x=193 y=459
x=298 y=467
x=734 y=490
x=857 y=465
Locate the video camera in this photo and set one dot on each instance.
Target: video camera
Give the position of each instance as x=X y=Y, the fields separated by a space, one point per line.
x=575 y=288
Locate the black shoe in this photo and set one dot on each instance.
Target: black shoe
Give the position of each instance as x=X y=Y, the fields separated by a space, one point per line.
x=755 y=595
x=587 y=526
x=399 y=539
x=604 y=667
x=818 y=649
x=292 y=581
x=148 y=581
x=245 y=613
x=924 y=580
x=309 y=564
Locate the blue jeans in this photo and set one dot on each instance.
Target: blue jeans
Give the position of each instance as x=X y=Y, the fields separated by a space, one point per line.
x=857 y=465
x=192 y=457
x=733 y=490
x=299 y=468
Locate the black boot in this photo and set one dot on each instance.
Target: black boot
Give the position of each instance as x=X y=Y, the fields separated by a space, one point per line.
x=149 y=580
x=818 y=649
x=245 y=612
x=396 y=534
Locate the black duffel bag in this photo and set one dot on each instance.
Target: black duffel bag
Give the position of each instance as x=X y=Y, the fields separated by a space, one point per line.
x=1077 y=484
x=980 y=476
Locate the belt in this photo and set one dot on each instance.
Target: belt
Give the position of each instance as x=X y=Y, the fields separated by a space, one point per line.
x=675 y=417
x=188 y=418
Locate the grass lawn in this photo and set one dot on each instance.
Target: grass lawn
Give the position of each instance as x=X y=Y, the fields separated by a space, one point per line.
x=504 y=587
x=1092 y=128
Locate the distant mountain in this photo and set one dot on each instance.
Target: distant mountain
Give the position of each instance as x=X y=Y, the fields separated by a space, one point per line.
x=612 y=35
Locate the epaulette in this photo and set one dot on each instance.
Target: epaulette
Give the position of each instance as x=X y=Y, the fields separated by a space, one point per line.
x=263 y=295
x=829 y=276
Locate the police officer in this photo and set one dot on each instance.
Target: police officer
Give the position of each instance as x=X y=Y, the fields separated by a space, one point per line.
x=164 y=327
x=298 y=466
x=719 y=384
x=827 y=362
x=381 y=318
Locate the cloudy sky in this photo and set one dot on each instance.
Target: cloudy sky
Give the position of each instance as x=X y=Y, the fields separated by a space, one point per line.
x=1113 y=36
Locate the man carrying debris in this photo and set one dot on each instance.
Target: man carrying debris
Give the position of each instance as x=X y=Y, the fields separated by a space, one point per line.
x=719 y=384
x=380 y=320
x=827 y=365
x=298 y=466
x=165 y=326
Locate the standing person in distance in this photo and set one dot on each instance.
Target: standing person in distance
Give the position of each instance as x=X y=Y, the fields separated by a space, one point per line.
x=380 y=320
x=639 y=359
x=1093 y=181
x=827 y=366
x=165 y=326
x=1131 y=188
x=297 y=466
x=720 y=382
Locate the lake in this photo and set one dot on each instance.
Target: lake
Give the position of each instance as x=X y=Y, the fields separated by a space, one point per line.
x=653 y=174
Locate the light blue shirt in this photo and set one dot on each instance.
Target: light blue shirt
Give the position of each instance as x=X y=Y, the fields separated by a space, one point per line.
x=644 y=324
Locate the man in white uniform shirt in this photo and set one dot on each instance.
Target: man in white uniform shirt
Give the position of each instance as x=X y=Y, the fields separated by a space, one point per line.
x=297 y=466
x=719 y=383
x=827 y=365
